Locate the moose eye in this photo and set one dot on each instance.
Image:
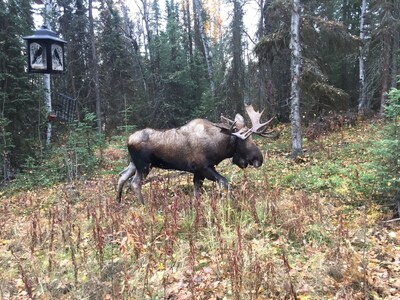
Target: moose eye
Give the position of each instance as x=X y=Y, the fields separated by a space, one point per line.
x=235 y=129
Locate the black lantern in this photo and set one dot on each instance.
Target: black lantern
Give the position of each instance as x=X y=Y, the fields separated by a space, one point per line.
x=45 y=52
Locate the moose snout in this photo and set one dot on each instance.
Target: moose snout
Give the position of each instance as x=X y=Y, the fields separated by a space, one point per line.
x=256 y=160
x=257 y=163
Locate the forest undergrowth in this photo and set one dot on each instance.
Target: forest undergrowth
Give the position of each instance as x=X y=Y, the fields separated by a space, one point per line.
x=309 y=229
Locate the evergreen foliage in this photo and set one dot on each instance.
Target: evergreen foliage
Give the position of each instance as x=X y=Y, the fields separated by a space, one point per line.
x=116 y=67
x=386 y=163
x=20 y=114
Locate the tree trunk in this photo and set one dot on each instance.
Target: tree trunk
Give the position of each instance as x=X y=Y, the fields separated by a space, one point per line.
x=385 y=72
x=261 y=25
x=95 y=67
x=189 y=30
x=156 y=17
x=295 y=118
x=344 y=63
x=394 y=67
x=151 y=48
x=237 y=60
x=395 y=43
x=362 y=100
x=198 y=13
x=47 y=100
x=266 y=94
x=46 y=78
x=196 y=28
x=145 y=13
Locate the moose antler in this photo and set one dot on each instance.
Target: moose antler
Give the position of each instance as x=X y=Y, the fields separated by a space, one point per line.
x=230 y=122
x=227 y=124
x=255 y=116
x=243 y=134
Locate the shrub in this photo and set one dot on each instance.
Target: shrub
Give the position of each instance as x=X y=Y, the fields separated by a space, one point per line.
x=386 y=151
x=79 y=151
x=74 y=159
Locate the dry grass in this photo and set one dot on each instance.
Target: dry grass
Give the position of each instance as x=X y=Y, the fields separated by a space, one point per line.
x=261 y=242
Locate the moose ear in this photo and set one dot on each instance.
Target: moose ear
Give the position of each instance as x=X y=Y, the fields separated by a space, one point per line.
x=239 y=121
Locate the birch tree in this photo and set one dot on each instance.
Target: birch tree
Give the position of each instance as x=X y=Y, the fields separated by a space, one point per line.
x=46 y=77
x=295 y=47
x=95 y=67
x=151 y=46
x=362 y=102
x=385 y=72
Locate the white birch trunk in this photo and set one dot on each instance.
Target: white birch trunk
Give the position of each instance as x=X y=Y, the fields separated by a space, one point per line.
x=95 y=69
x=362 y=102
x=47 y=101
x=295 y=118
x=46 y=77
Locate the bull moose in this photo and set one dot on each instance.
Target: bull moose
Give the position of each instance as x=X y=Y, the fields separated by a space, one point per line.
x=196 y=147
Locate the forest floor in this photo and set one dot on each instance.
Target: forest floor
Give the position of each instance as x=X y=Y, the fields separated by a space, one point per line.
x=310 y=229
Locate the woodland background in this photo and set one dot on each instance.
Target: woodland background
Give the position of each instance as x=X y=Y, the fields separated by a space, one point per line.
x=322 y=225
x=147 y=65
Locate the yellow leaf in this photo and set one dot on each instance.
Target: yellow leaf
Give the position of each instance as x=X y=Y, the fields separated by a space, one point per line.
x=160 y=266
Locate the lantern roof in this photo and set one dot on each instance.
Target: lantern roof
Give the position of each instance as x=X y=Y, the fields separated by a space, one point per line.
x=44 y=34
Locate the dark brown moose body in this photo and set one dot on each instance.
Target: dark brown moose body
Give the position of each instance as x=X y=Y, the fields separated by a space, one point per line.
x=196 y=147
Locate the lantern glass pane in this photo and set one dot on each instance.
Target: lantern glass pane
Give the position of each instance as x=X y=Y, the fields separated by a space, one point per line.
x=57 y=57
x=37 y=56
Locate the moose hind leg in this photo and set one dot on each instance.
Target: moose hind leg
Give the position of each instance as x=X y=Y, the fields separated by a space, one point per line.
x=136 y=185
x=198 y=184
x=123 y=177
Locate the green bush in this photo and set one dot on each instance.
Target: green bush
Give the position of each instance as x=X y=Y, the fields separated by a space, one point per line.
x=386 y=151
x=79 y=152
x=77 y=158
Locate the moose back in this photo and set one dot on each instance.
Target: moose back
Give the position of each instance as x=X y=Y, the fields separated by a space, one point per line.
x=196 y=147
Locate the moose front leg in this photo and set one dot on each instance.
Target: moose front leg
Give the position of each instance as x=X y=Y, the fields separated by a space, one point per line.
x=211 y=174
